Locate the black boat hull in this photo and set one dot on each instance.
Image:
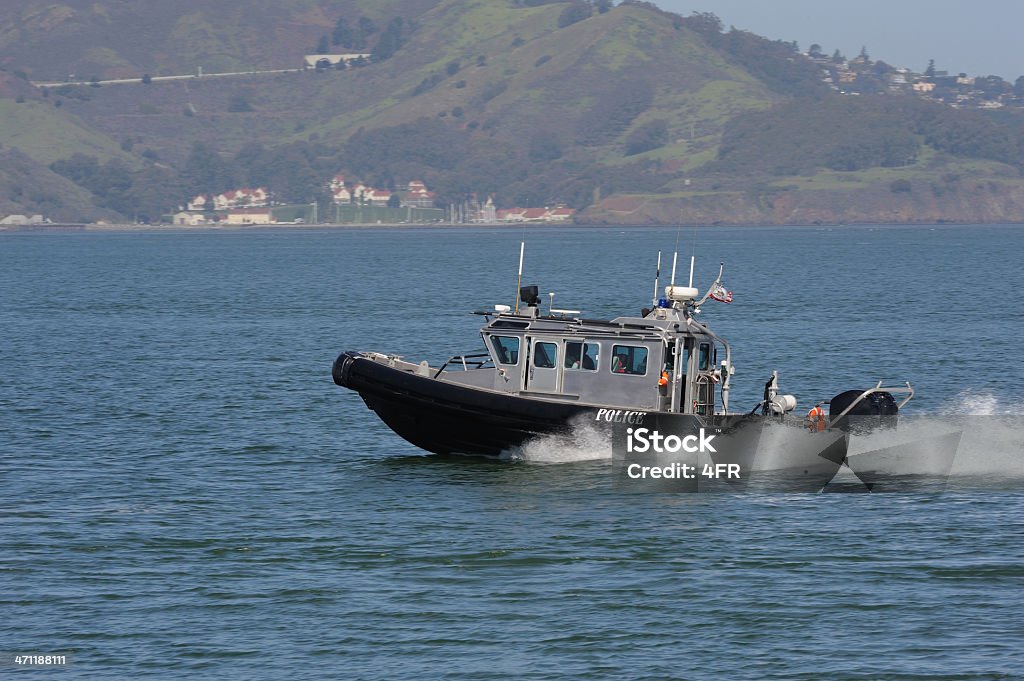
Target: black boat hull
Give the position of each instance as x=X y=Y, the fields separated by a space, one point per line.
x=446 y=418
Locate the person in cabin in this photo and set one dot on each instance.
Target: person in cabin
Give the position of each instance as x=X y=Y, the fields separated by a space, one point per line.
x=619 y=364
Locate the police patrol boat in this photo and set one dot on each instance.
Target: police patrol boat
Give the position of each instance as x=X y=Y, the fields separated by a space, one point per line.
x=544 y=370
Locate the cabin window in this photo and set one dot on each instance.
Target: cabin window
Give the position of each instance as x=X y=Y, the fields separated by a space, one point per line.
x=629 y=359
x=670 y=357
x=583 y=356
x=704 y=357
x=544 y=355
x=506 y=348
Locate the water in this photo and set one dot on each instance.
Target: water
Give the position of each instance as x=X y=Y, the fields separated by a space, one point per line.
x=186 y=493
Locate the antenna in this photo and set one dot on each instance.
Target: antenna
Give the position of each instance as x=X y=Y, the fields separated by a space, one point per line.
x=675 y=258
x=519 y=281
x=657 y=281
x=692 y=258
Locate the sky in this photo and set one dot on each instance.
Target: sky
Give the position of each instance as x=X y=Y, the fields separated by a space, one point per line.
x=977 y=37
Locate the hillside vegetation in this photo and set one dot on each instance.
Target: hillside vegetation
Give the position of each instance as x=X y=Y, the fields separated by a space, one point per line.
x=595 y=106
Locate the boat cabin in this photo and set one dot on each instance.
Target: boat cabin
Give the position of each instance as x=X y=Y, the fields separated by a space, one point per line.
x=661 y=361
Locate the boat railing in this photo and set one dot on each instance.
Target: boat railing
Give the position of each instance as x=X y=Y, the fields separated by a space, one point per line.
x=704 y=400
x=473 y=361
x=907 y=390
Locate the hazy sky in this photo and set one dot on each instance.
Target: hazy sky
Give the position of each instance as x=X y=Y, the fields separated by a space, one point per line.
x=979 y=37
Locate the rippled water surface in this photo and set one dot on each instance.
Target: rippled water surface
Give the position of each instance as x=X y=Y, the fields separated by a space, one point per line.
x=186 y=494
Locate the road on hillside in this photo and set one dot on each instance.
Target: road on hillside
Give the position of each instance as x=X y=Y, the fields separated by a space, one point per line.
x=155 y=79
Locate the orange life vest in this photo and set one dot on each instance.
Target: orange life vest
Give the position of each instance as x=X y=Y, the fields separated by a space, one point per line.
x=816 y=419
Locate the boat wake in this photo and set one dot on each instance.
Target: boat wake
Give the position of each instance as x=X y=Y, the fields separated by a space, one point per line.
x=980 y=403
x=978 y=440
x=585 y=441
x=958 y=447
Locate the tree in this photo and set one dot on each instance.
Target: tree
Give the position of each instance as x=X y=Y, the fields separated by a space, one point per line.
x=545 y=145
x=614 y=111
x=992 y=87
x=1018 y=87
x=603 y=6
x=367 y=26
x=205 y=171
x=837 y=57
x=647 y=137
x=390 y=41
x=706 y=23
x=814 y=50
x=343 y=34
x=576 y=12
x=930 y=71
x=394 y=201
x=324 y=46
x=239 y=104
x=864 y=53
x=146 y=79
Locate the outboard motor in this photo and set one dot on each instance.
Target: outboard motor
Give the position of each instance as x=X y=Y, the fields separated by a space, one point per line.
x=877 y=409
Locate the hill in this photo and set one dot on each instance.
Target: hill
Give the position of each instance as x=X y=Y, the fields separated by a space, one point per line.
x=528 y=101
x=112 y=39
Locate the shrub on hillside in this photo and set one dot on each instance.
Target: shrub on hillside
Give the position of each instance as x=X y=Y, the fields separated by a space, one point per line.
x=647 y=137
x=574 y=13
x=614 y=111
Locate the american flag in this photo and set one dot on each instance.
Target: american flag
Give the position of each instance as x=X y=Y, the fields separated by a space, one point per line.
x=721 y=294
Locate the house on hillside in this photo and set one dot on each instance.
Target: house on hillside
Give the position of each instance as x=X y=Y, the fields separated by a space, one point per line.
x=342 y=196
x=339 y=190
x=241 y=198
x=510 y=215
x=345 y=193
x=188 y=219
x=23 y=220
x=249 y=216
x=323 y=61
x=418 y=196
x=560 y=214
x=199 y=203
x=376 y=197
x=488 y=213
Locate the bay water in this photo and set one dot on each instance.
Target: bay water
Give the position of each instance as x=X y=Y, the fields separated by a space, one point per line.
x=186 y=493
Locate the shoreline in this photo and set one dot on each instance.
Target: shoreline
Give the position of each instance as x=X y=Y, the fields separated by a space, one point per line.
x=72 y=228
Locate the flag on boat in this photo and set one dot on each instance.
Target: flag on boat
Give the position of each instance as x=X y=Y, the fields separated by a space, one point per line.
x=721 y=294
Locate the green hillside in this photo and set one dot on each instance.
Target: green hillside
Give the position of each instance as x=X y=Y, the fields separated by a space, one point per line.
x=112 y=39
x=48 y=134
x=533 y=103
x=29 y=188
